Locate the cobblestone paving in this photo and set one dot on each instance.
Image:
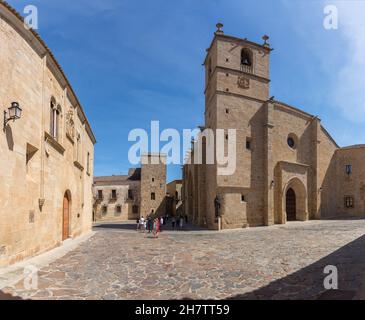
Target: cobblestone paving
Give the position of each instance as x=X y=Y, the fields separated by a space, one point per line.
x=280 y=262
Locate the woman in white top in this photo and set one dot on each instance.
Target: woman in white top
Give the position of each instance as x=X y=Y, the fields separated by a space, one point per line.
x=141 y=223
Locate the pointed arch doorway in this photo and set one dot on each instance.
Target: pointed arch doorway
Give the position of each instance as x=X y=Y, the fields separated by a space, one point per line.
x=66 y=216
x=291 y=205
x=295 y=201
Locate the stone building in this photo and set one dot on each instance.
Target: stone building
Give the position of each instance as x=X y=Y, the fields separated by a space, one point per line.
x=137 y=194
x=173 y=198
x=117 y=197
x=288 y=166
x=46 y=154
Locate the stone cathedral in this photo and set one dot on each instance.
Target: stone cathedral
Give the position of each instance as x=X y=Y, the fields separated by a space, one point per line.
x=288 y=166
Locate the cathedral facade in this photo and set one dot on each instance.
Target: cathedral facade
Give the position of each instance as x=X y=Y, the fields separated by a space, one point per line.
x=288 y=167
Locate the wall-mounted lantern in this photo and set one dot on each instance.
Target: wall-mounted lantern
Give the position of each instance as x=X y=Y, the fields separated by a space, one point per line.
x=15 y=112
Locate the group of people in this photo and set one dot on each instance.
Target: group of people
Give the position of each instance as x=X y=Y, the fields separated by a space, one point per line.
x=154 y=225
x=150 y=225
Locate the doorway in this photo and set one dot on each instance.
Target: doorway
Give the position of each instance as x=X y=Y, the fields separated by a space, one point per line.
x=291 y=206
x=66 y=216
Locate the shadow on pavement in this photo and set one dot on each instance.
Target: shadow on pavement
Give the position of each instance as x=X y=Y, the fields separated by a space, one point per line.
x=5 y=296
x=308 y=283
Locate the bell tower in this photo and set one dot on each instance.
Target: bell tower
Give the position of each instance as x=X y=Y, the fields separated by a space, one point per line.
x=236 y=67
x=236 y=93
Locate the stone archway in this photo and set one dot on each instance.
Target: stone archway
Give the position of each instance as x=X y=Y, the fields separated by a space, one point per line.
x=295 y=202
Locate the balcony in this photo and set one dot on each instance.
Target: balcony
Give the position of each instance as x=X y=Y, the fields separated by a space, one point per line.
x=246 y=68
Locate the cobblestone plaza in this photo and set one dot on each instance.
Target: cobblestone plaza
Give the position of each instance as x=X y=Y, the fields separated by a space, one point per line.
x=279 y=262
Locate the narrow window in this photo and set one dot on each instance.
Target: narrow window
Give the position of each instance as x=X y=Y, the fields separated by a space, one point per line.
x=88 y=163
x=243 y=198
x=227 y=111
x=348 y=169
x=135 y=209
x=153 y=179
x=153 y=196
x=78 y=147
x=52 y=112
x=349 y=201
x=248 y=143
x=100 y=194
x=119 y=209
x=130 y=194
x=57 y=133
x=114 y=194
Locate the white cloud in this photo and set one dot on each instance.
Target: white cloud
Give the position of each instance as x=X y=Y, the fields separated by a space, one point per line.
x=349 y=78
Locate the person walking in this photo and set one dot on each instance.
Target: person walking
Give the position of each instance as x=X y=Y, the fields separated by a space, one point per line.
x=150 y=224
x=177 y=223
x=141 y=224
x=138 y=225
x=173 y=223
x=156 y=227
x=161 y=223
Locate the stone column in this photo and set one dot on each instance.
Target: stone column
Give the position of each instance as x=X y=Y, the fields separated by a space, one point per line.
x=268 y=188
x=45 y=108
x=313 y=192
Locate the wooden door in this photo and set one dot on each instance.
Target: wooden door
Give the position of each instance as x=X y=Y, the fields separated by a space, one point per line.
x=66 y=218
x=291 y=210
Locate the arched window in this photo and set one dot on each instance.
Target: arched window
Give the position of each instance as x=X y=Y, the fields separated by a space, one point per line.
x=55 y=122
x=58 y=122
x=52 y=117
x=246 y=60
x=246 y=57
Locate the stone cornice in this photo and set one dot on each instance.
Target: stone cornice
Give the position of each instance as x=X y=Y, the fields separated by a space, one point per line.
x=54 y=143
x=78 y=165
x=295 y=164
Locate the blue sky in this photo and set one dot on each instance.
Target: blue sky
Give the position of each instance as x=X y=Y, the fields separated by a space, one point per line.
x=131 y=62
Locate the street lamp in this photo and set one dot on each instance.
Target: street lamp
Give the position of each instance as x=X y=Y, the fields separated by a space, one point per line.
x=15 y=112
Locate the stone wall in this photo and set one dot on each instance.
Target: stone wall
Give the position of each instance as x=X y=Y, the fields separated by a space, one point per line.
x=37 y=170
